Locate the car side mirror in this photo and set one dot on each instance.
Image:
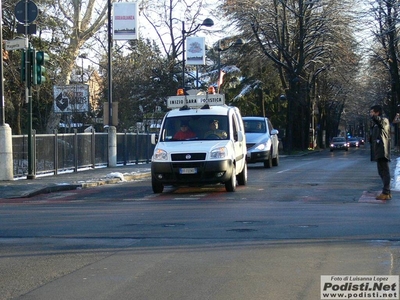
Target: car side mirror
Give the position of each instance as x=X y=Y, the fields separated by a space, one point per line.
x=274 y=132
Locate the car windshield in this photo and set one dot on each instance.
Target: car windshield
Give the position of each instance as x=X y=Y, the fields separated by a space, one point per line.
x=339 y=139
x=353 y=139
x=254 y=126
x=207 y=127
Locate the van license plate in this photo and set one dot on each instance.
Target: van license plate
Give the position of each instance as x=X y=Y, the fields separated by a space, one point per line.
x=187 y=170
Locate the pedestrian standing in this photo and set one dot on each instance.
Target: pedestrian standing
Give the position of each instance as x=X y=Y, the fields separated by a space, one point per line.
x=380 y=147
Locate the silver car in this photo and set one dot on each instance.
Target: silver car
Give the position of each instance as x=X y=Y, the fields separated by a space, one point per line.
x=262 y=141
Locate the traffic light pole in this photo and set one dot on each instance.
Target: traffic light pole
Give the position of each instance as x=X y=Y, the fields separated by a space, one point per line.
x=28 y=99
x=28 y=95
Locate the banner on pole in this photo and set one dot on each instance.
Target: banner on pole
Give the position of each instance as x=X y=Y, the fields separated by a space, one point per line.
x=125 y=25
x=196 y=51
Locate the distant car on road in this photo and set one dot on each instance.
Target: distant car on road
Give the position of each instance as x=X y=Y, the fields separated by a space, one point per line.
x=262 y=141
x=339 y=143
x=361 y=140
x=354 y=142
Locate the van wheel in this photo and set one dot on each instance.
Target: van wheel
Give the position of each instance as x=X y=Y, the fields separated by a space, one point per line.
x=242 y=177
x=230 y=185
x=268 y=162
x=157 y=187
x=275 y=161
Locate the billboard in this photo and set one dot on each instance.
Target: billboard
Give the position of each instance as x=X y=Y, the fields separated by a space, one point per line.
x=71 y=98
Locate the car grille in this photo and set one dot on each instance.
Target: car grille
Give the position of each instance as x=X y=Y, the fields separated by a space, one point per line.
x=248 y=146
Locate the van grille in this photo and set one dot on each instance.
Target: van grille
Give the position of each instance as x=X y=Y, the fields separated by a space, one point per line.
x=188 y=156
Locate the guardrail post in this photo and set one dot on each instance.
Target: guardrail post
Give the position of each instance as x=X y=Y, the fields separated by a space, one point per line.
x=93 y=149
x=147 y=148
x=125 y=147
x=75 y=150
x=137 y=148
x=34 y=164
x=55 y=151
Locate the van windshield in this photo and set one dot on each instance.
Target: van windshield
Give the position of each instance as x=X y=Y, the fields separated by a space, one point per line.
x=209 y=127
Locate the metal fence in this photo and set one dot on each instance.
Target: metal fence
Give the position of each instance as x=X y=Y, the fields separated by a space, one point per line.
x=72 y=151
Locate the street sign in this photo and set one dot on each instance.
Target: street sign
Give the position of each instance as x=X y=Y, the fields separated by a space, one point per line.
x=195 y=100
x=16 y=44
x=25 y=10
x=26 y=28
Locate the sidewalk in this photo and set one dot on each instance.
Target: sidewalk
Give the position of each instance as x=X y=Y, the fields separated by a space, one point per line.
x=23 y=188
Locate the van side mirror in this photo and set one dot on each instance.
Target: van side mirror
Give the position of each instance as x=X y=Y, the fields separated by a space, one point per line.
x=240 y=137
x=154 y=138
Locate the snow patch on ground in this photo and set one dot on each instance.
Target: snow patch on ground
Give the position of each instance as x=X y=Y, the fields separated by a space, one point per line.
x=116 y=175
x=396 y=179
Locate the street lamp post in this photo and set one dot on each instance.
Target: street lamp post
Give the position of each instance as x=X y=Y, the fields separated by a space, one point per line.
x=208 y=23
x=238 y=43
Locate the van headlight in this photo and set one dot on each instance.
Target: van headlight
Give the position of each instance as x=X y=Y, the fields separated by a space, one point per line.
x=160 y=154
x=220 y=152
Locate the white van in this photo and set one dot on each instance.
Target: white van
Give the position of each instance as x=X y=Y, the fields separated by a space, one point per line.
x=199 y=144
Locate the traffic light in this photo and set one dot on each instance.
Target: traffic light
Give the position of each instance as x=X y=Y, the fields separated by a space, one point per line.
x=38 y=69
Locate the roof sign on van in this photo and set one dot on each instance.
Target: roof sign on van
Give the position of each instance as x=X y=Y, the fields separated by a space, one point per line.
x=194 y=101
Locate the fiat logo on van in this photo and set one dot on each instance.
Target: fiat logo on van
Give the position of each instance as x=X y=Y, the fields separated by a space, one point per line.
x=188 y=156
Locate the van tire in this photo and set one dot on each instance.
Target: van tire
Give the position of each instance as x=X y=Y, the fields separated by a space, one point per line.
x=230 y=185
x=157 y=187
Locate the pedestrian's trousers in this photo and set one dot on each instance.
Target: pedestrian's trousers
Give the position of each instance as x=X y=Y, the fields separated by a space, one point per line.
x=384 y=173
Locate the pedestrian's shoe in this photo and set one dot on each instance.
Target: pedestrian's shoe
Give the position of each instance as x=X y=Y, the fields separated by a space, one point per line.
x=384 y=197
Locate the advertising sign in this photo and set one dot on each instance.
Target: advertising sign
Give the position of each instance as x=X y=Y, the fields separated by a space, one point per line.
x=196 y=51
x=125 y=25
x=71 y=98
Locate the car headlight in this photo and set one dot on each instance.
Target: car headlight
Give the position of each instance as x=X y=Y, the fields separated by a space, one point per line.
x=160 y=154
x=220 y=152
x=261 y=147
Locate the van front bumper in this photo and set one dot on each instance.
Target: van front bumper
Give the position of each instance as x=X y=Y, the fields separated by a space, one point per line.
x=192 y=173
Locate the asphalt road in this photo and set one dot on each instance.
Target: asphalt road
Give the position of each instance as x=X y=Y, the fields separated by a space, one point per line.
x=272 y=239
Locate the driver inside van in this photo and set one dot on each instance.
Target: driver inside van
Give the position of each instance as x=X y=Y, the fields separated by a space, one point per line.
x=184 y=132
x=214 y=131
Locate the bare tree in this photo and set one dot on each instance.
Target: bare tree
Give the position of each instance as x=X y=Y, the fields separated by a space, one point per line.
x=168 y=18
x=386 y=15
x=67 y=25
x=304 y=39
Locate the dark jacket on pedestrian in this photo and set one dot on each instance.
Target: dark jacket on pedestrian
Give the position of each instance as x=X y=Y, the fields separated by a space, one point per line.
x=380 y=138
